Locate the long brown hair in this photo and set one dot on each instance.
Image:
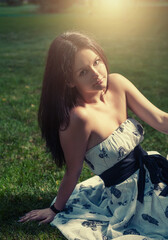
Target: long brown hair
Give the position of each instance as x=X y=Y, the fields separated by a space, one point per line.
x=57 y=98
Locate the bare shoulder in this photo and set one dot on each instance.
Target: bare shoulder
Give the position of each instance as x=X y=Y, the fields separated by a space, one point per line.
x=78 y=124
x=74 y=138
x=79 y=115
x=117 y=81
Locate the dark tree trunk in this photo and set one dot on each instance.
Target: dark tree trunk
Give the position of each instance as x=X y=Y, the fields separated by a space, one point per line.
x=55 y=5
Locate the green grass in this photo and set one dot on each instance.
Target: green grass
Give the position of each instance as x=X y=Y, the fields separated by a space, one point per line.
x=136 y=46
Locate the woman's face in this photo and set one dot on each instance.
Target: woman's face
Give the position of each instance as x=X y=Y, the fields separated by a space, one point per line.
x=90 y=73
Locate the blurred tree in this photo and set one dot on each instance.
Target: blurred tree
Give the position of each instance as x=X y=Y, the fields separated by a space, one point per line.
x=55 y=5
x=14 y=2
x=33 y=1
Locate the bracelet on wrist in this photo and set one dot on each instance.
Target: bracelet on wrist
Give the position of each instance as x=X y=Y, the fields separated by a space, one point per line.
x=53 y=208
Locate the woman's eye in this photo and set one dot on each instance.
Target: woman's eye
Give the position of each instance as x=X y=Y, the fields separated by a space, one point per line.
x=83 y=72
x=97 y=61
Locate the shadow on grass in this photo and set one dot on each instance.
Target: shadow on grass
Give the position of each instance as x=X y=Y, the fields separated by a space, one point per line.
x=12 y=207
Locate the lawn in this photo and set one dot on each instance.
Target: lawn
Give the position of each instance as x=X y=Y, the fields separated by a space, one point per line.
x=135 y=41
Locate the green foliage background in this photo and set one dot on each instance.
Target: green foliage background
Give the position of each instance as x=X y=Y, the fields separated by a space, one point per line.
x=136 y=45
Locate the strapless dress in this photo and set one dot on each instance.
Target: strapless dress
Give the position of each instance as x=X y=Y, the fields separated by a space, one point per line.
x=127 y=199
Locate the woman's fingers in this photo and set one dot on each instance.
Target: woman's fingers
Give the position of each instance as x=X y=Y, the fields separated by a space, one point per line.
x=47 y=220
x=42 y=215
x=29 y=216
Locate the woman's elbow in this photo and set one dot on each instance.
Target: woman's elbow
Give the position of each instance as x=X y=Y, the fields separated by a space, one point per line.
x=73 y=173
x=163 y=123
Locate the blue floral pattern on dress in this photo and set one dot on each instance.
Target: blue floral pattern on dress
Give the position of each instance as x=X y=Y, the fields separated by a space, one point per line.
x=150 y=219
x=116 y=192
x=92 y=224
x=65 y=221
x=121 y=152
x=82 y=187
x=147 y=178
x=114 y=140
x=103 y=153
x=87 y=206
x=136 y=133
x=131 y=231
x=86 y=189
x=140 y=129
x=68 y=209
x=166 y=212
x=75 y=201
x=122 y=203
x=94 y=213
x=150 y=193
x=61 y=215
x=109 y=211
x=157 y=187
x=129 y=222
x=105 y=238
x=121 y=128
x=103 y=198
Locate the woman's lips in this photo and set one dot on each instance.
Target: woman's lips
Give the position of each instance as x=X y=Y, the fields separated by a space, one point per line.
x=98 y=82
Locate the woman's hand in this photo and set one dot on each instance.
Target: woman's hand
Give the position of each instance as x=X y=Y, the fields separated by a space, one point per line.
x=42 y=215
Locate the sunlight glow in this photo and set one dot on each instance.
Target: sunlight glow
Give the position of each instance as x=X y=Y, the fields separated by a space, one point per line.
x=117 y=16
x=114 y=7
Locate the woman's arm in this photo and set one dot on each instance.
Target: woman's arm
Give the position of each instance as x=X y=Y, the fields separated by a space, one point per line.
x=141 y=106
x=74 y=142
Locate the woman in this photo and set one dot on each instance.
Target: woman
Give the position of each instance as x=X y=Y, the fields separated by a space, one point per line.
x=83 y=116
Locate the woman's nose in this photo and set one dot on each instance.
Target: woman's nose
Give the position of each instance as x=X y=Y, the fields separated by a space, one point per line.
x=95 y=73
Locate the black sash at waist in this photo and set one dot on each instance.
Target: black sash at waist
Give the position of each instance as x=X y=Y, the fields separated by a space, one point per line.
x=156 y=164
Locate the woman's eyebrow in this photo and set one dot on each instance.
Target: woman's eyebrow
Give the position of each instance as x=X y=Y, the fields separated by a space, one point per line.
x=79 y=69
x=86 y=66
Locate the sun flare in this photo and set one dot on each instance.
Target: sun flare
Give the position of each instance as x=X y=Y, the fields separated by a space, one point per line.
x=115 y=8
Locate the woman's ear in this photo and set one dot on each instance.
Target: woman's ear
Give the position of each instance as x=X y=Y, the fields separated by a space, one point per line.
x=70 y=84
